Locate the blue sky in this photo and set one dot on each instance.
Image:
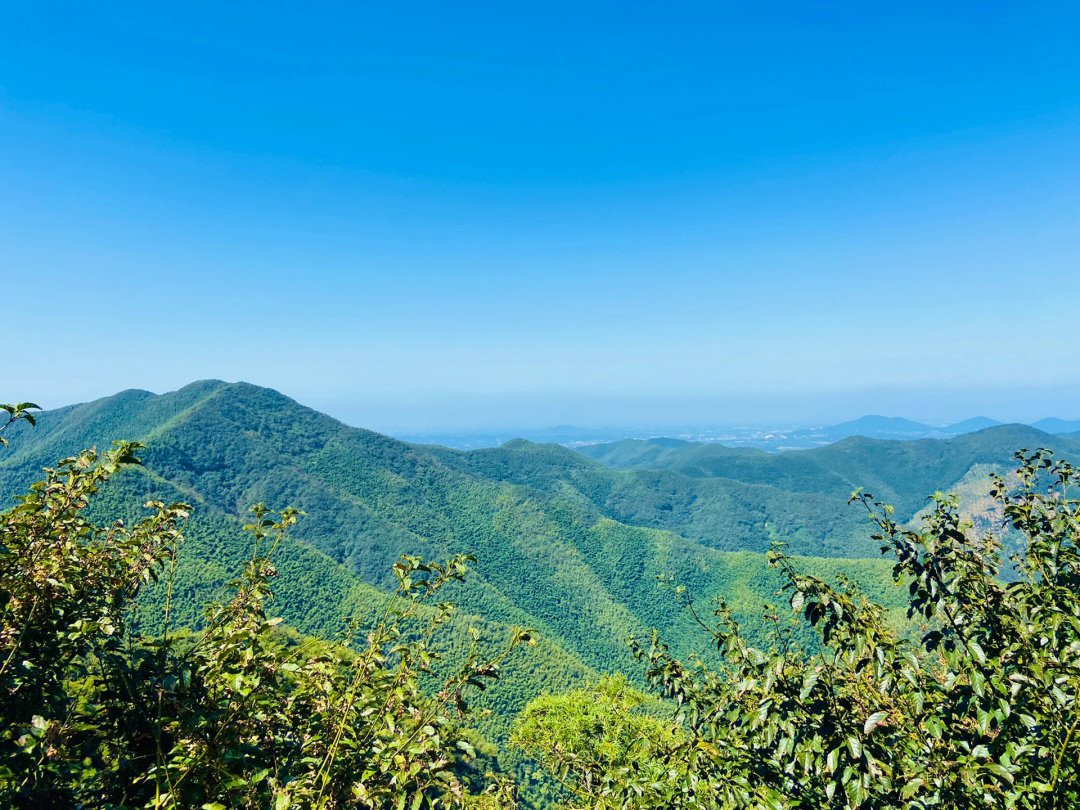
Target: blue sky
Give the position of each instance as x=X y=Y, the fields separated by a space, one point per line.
x=435 y=216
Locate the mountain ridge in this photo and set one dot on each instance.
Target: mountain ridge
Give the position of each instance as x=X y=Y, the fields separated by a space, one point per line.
x=564 y=542
x=371 y=498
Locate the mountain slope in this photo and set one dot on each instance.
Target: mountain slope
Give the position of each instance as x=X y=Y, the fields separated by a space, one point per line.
x=900 y=472
x=317 y=596
x=543 y=522
x=563 y=543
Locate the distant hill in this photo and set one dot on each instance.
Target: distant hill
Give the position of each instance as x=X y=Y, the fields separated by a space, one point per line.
x=887 y=427
x=1058 y=425
x=878 y=427
x=774 y=439
x=881 y=427
x=972 y=425
x=901 y=472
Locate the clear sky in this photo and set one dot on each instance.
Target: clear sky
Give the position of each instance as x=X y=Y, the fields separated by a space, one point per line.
x=439 y=215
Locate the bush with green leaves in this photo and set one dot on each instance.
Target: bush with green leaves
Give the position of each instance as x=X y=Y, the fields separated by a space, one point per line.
x=243 y=713
x=974 y=704
x=611 y=728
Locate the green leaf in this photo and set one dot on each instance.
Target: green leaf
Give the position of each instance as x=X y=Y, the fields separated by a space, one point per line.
x=873 y=721
x=854 y=746
x=797 y=600
x=832 y=759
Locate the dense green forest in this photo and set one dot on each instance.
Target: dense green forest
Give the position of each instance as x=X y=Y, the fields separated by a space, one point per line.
x=561 y=544
x=901 y=472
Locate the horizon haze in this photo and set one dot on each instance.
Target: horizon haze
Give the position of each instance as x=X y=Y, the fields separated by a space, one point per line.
x=773 y=436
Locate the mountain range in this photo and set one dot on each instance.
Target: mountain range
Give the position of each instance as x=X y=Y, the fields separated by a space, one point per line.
x=568 y=543
x=775 y=439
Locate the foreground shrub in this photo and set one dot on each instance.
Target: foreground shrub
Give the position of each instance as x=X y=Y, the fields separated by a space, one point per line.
x=973 y=705
x=241 y=714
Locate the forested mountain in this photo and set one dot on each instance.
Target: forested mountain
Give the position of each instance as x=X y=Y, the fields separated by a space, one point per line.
x=562 y=544
x=902 y=473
